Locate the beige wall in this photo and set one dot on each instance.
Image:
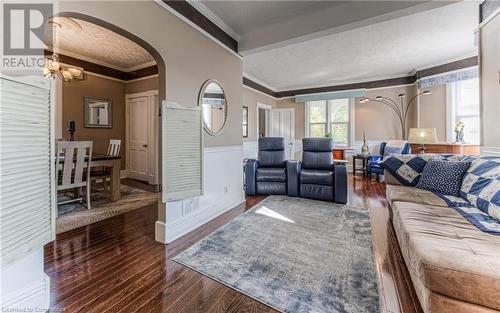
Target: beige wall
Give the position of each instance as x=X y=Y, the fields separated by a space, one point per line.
x=490 y=85
x=190 y=57
x=72 y=109
x=432 y=110
x=250 y=99
x=142 y=85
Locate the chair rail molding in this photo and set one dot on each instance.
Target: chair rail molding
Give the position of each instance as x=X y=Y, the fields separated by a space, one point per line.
x=223 y=190
x=493 y=151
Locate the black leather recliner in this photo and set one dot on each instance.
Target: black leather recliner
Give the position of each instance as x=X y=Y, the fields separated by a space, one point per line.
x=317 y=176
x=267 y=175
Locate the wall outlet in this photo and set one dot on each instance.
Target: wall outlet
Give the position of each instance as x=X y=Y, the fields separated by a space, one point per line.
x=187 y=207
x=226 y=190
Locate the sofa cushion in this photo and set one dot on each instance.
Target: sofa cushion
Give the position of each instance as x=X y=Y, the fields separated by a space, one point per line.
x=448 y=255
x=401 y=193
x=271 y=174
x=481 y=185
x=443 y=176
x=316 y=177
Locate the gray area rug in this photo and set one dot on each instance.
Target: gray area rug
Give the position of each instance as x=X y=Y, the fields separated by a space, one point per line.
x=295 y=255
x=74 y=215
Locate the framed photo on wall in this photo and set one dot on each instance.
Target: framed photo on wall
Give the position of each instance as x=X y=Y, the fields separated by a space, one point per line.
x=245 y=122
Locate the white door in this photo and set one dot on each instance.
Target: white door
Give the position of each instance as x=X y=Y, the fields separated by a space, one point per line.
x=138 y=138
x=282 y=124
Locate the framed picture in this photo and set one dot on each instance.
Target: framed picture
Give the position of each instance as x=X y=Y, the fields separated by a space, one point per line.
x=245 y=122
x=97 y=113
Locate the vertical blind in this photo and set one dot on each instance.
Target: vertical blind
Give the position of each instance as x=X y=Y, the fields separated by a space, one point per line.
x=182 y=149
x=25 y=168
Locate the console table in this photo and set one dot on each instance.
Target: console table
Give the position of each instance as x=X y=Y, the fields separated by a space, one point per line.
x=451 y=148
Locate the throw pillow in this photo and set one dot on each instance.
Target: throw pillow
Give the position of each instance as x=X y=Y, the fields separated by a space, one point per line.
x=443 y=177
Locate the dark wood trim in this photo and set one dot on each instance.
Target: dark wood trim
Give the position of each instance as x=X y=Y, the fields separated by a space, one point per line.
x=444 y=68
x=487 y=8
x=188 y=11
x=448 y=67
x=250 y=83
x=364 y=85
x=104 y=70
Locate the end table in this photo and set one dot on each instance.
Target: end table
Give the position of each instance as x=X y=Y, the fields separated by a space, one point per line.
x=364 y=158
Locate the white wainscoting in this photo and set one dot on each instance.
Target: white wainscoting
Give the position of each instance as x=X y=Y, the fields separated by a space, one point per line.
x=223 y=190
x=25 y=286
x=493 y=151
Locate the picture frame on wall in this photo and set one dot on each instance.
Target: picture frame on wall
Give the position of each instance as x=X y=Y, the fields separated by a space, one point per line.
x=245 y=122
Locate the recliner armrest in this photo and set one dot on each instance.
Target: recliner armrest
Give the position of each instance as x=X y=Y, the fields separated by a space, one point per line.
x=251 y=176
x=293 y=169
x=340 y=183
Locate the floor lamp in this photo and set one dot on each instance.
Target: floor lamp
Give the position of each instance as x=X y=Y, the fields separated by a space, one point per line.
x=400 y=109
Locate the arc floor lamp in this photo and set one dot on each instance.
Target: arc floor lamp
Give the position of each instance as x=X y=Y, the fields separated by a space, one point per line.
x=401 y=109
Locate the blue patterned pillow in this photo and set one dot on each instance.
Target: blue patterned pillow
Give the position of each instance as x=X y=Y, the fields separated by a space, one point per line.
x=406 y=168
x=443 y=176
x=481 y=185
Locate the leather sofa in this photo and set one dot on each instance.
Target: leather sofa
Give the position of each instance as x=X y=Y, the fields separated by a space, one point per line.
x=317 y=176
x=374 y=167
x=267 y=175
x=453 y=266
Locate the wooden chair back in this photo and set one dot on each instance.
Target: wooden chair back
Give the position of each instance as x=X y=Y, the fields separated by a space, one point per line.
x=114 y=147
x=73 y=158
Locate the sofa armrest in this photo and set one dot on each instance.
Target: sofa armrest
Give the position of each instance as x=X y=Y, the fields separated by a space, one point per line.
x=340 y=183
x=250 y=176
x=374 y=158
x=293 y=169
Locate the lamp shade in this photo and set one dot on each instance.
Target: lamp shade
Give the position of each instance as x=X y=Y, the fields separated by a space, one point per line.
x=422 y=135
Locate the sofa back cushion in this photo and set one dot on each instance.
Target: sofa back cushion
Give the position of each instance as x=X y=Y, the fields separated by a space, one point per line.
x=317 y=153
x=443 y=177
x=481 y=185
x=272 y=152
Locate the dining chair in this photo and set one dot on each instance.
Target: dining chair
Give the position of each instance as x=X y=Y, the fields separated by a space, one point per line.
x=105 y=173
x=73 y=168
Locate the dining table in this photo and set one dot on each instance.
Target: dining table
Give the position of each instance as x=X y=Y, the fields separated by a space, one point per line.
x=114 y=164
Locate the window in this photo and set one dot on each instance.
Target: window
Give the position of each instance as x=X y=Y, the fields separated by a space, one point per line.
x=330 y=118
x=463 y=106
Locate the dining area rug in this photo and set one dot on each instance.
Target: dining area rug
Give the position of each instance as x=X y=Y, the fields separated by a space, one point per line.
x=294 y=255
x=74 y=215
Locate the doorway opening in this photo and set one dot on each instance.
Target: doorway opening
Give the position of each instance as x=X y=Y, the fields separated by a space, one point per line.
x=115 y=107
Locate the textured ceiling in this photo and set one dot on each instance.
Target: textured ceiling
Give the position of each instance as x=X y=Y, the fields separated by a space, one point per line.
x=383 y=50
x=99 y=45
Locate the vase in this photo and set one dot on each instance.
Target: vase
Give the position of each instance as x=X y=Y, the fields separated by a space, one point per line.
x=365 y=149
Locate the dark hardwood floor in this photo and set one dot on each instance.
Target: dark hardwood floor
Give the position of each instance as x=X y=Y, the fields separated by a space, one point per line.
x=116 y=265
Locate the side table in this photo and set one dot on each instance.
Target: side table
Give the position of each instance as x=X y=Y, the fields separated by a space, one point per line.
x=364 y=158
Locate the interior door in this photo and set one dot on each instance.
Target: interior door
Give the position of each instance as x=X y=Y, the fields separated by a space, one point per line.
x=138 y=138
x=282 y=124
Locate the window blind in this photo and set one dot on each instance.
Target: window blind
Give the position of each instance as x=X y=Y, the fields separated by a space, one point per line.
x=182 y=150
x=25 y=168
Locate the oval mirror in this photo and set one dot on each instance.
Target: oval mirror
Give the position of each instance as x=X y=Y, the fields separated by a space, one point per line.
x=214 y=105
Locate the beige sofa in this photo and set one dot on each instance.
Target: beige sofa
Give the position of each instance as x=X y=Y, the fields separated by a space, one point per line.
x=454 y=266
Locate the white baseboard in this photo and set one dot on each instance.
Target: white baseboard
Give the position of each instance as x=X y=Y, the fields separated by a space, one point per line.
x=32 y=298
x=166 y=233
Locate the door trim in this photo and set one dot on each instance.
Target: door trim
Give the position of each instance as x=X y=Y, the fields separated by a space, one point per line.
x=153 y=108
x=266 y=107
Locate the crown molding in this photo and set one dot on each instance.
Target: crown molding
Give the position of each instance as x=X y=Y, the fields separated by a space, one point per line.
x=203 y=9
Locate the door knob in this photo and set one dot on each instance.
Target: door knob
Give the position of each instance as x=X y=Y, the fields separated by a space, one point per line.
x=145 y=146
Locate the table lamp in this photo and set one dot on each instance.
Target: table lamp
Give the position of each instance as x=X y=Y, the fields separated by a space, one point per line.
x=422 y=136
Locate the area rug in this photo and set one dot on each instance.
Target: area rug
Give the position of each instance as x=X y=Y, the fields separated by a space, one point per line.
x=74 y=215
x=294 y=255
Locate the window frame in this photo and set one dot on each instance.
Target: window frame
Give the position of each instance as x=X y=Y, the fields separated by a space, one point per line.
x=452 y=95
x=328 y=121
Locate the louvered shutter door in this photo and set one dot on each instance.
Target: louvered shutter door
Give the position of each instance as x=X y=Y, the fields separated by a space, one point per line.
x=25 y=168
x=181 y=152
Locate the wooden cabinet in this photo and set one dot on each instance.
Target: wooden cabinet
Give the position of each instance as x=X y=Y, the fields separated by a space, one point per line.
x=465 y=149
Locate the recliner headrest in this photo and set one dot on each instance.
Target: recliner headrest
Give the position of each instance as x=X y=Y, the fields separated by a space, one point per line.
x=317 y=144
x=271 y=144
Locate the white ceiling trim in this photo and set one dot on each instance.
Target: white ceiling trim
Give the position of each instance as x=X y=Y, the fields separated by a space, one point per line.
x=203 y=9
x=201 y=30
